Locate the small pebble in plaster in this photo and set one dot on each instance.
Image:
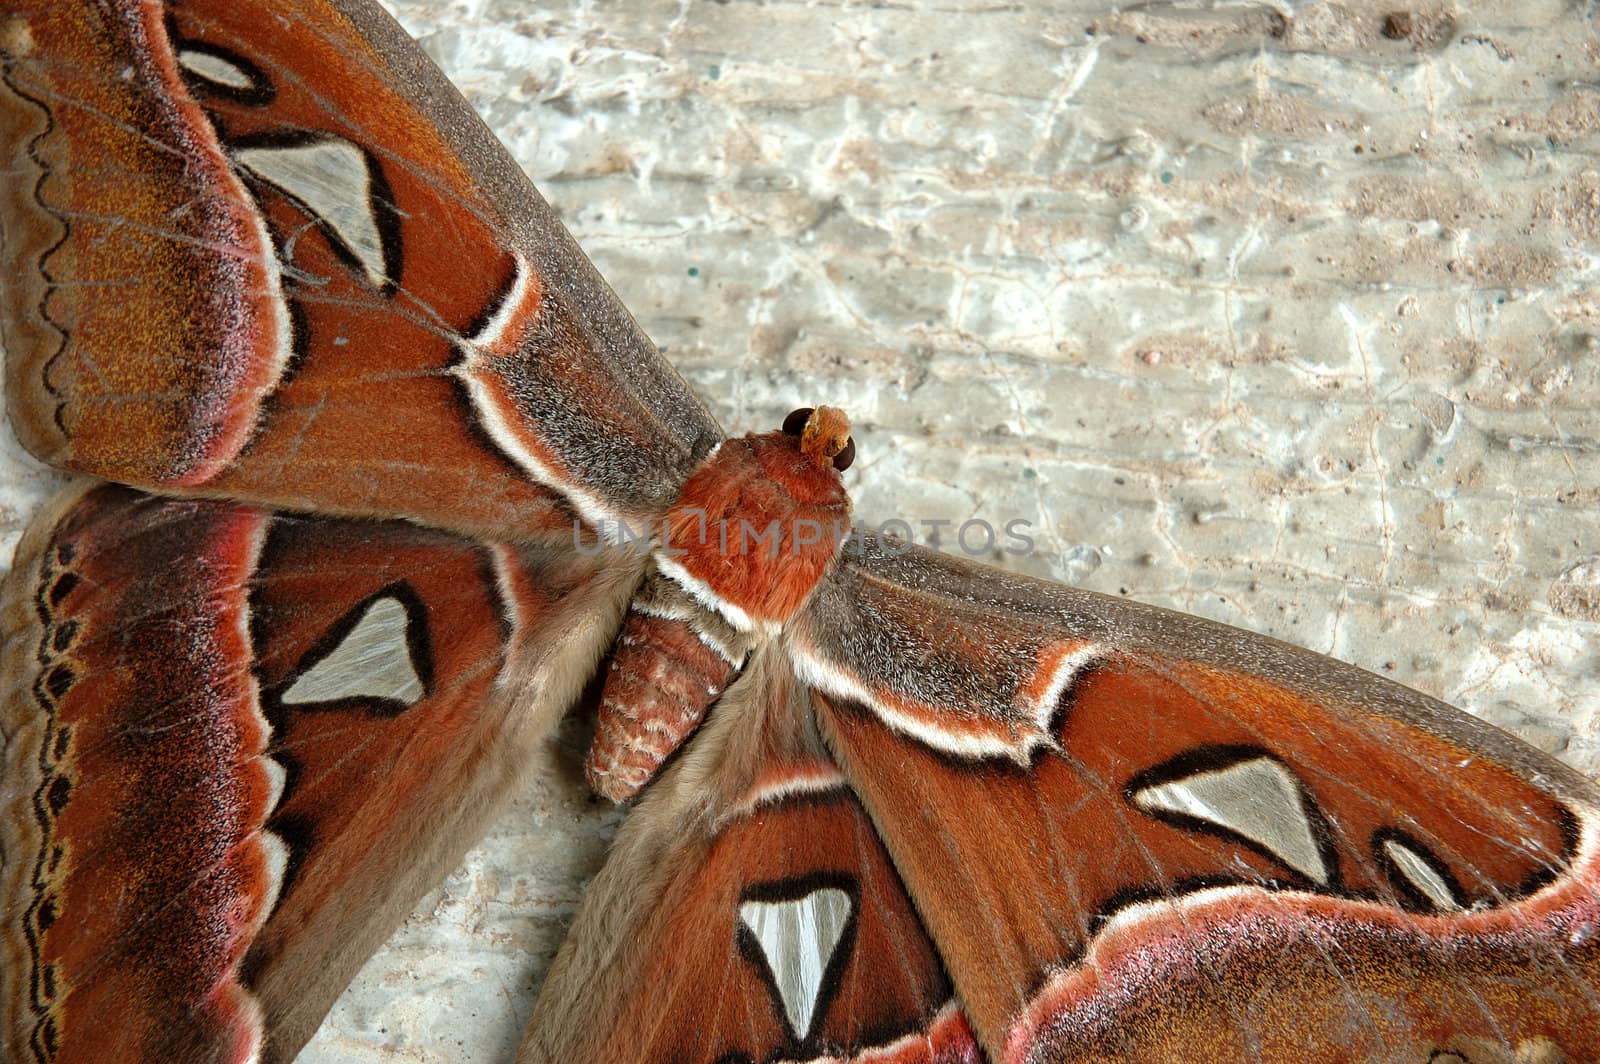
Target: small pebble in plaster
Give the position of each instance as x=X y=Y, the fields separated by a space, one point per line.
x=1576 y=592
x=1397 y=25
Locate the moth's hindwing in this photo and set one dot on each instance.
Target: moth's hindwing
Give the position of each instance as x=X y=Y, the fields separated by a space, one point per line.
x=239 y=745
x=749 y=913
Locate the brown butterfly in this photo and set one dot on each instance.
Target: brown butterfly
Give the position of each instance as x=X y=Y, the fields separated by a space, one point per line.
x=892 y=805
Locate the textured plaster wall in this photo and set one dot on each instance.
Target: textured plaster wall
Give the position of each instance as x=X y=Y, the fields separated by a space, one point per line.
x=1277 y=313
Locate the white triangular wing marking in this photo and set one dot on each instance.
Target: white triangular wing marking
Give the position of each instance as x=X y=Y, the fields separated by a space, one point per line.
x=798 y=938
x=372 y=661
x=1259 y=800
x=331 y=178
x=1422 y=875
x=215 y=69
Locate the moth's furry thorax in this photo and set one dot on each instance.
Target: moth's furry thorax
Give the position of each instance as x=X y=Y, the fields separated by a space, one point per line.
x=759 y=523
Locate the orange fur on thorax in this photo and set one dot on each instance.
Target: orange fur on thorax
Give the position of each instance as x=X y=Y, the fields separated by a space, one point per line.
x=721 y=528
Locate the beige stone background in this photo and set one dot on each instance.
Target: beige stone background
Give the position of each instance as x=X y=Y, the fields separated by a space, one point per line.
x=1277 y=313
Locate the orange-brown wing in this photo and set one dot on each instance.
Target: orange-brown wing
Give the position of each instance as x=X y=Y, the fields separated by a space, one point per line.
x=238 y=746
x=265 y=250
x=1139 y=836
x=749 y=913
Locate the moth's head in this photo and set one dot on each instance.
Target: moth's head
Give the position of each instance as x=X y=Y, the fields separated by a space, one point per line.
x=823 y=435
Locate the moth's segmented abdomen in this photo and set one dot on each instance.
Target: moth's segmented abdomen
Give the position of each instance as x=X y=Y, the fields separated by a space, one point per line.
x=671 y=661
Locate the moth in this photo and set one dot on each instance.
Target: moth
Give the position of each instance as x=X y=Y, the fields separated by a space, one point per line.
x=342 y=390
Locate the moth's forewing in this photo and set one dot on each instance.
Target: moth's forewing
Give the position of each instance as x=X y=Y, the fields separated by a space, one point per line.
x=1135 y=834
x=266 y=251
